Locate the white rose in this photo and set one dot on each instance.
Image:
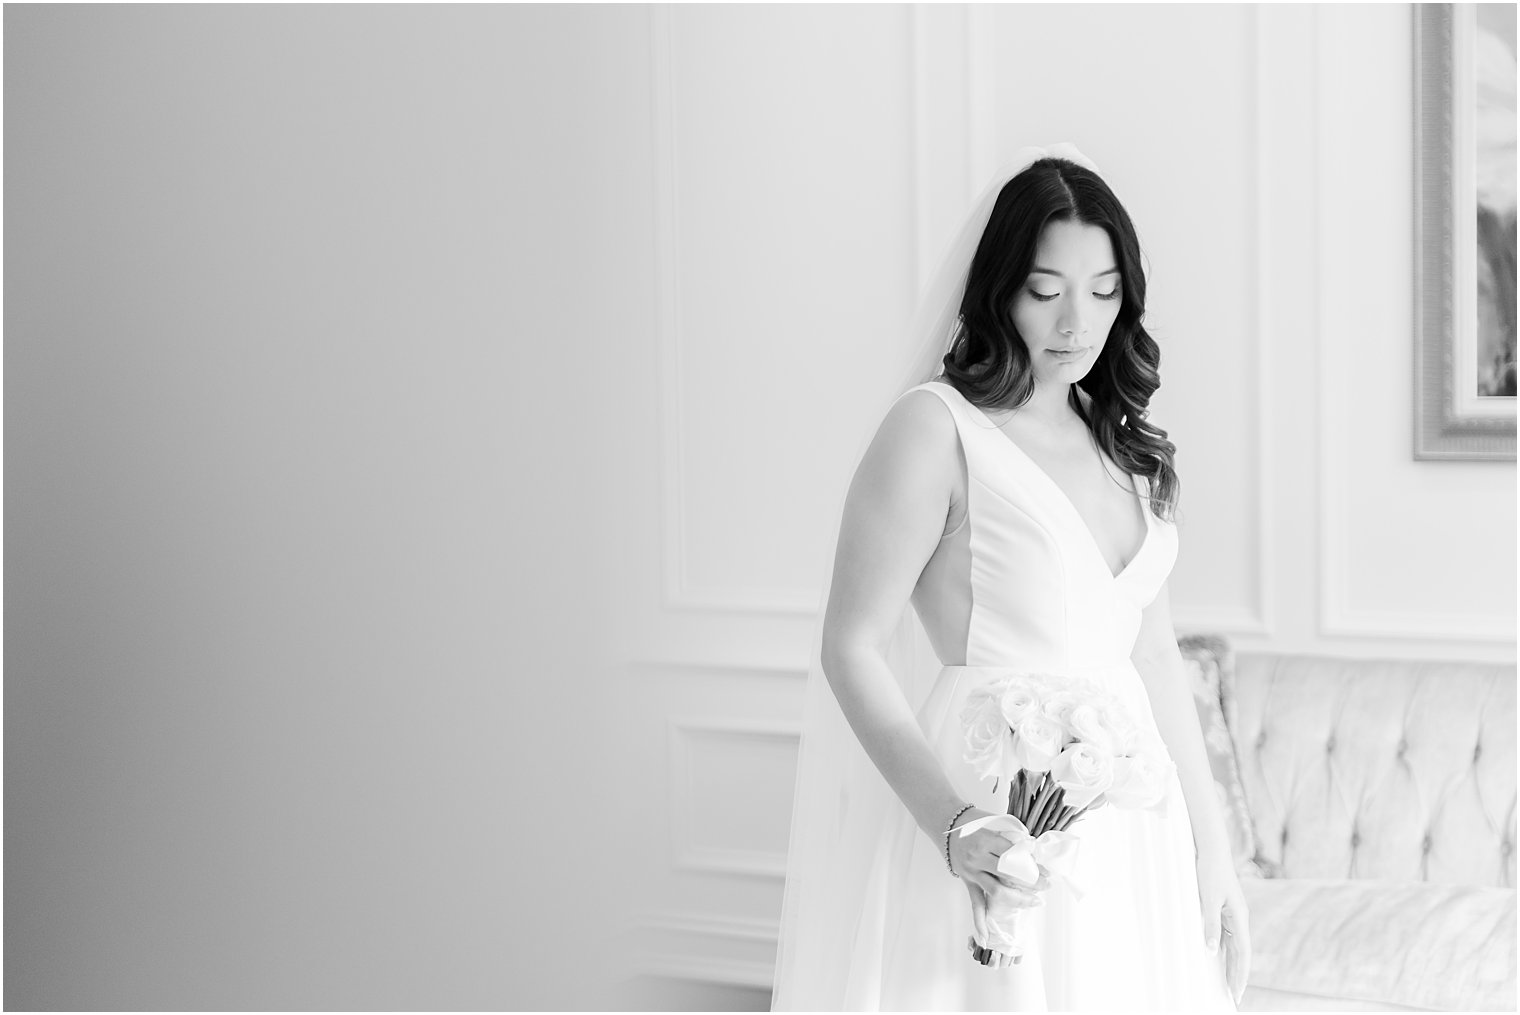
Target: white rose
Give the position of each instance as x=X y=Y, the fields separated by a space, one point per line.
x=1139 y=781
x=1084 y=771
x=1037 y=741
x=1020 y=701
x=1057 y=706
x=1125 y=730
x=987 y=734
x=1142 y=778
x=1091 y=725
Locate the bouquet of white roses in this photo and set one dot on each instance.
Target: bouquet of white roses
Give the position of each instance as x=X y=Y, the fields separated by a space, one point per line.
x=1063 y=746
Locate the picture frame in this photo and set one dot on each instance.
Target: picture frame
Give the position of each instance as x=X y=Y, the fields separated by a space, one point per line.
x=1464 y=256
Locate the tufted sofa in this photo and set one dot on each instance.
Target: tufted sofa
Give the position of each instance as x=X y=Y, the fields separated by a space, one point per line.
x=1381 y=797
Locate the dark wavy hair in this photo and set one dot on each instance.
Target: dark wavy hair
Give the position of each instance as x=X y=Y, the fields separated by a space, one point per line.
x=989 y=363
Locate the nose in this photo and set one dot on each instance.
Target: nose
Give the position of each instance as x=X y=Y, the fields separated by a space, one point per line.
x=1073 y=322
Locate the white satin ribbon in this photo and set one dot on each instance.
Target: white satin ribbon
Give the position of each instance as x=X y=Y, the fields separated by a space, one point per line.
x=1055 y=850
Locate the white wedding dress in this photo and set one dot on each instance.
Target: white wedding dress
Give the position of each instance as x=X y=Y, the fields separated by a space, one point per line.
x=1043 y=598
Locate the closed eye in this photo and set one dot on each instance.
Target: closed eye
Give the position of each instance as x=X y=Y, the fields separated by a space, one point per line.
x=1043 y=298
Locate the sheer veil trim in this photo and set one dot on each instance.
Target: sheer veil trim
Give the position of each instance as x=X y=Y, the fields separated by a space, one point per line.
x=841 y=801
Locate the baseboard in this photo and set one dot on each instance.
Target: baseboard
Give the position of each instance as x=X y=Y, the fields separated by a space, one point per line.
x=725 y=951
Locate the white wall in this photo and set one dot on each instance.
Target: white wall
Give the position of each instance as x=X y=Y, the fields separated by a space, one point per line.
x=311 y=318
x=1270 y=178
x=1415 y=557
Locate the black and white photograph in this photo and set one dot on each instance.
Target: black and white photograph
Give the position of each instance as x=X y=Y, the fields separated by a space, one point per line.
x=1465 y=231
x=760 y=507
x=1494 y=175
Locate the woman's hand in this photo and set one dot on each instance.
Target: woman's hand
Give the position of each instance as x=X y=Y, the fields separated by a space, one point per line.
x=975 y=858
x=1225 y=916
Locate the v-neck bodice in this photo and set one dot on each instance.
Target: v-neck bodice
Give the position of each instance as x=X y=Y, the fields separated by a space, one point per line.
x=1062 y=495
x=1042 y=593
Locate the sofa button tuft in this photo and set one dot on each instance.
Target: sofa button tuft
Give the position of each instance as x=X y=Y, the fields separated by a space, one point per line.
x=1356 y=840
x=1477 y=752
x=1505 y=847
x=1261 y=738
x=1403 y=746
x=1425 y=843
x=1330 y=745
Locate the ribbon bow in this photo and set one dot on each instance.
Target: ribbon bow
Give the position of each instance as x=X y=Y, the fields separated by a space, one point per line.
x=1055 y=850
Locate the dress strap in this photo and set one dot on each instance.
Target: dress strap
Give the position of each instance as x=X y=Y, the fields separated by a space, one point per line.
x=945 y=394
x=966 y=426
x=957 y=413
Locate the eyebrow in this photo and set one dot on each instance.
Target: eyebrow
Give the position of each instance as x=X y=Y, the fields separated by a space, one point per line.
x=1057 y=274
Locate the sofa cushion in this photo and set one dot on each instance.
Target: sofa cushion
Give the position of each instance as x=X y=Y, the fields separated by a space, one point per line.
x=1417 y=944
x=1394 y=770
x=1265 y=999
x=1210 y=664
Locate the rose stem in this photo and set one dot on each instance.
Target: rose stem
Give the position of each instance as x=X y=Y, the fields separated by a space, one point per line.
x=1052 y=806
x=1047 y=790
x=1076 y=812
x=1046 y=817
x=1048 y=809
x=1032 y=804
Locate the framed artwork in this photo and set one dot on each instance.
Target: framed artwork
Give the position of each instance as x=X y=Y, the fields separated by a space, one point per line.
x=1464 y=284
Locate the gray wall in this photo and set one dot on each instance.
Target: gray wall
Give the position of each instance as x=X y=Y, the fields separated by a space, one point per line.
x=306 y=529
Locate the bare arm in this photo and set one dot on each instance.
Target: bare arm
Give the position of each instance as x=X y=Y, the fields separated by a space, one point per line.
x=893 y=518
x=1223 y=903
x=1164 y=673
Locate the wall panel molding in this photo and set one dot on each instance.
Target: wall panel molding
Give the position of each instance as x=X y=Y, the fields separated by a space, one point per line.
x=1226 y=620
x=678 y=592
x=730 y=951
x=979 y=116
x=725 y=667
x=688 y=853
x=1338 y=616
x=1262 y=620
x=1256 y=619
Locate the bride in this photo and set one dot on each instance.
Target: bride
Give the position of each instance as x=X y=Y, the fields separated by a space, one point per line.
x=1016 y=497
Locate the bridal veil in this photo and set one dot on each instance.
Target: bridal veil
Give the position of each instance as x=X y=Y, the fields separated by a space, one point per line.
x=841 y=800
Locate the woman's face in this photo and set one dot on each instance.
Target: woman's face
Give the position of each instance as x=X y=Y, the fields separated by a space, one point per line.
x=1069 y=301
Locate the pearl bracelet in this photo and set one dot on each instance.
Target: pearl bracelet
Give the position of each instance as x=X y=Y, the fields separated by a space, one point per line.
x=948 y=829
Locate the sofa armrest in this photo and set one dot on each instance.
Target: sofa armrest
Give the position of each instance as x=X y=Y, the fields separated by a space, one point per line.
x=1417 y=944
